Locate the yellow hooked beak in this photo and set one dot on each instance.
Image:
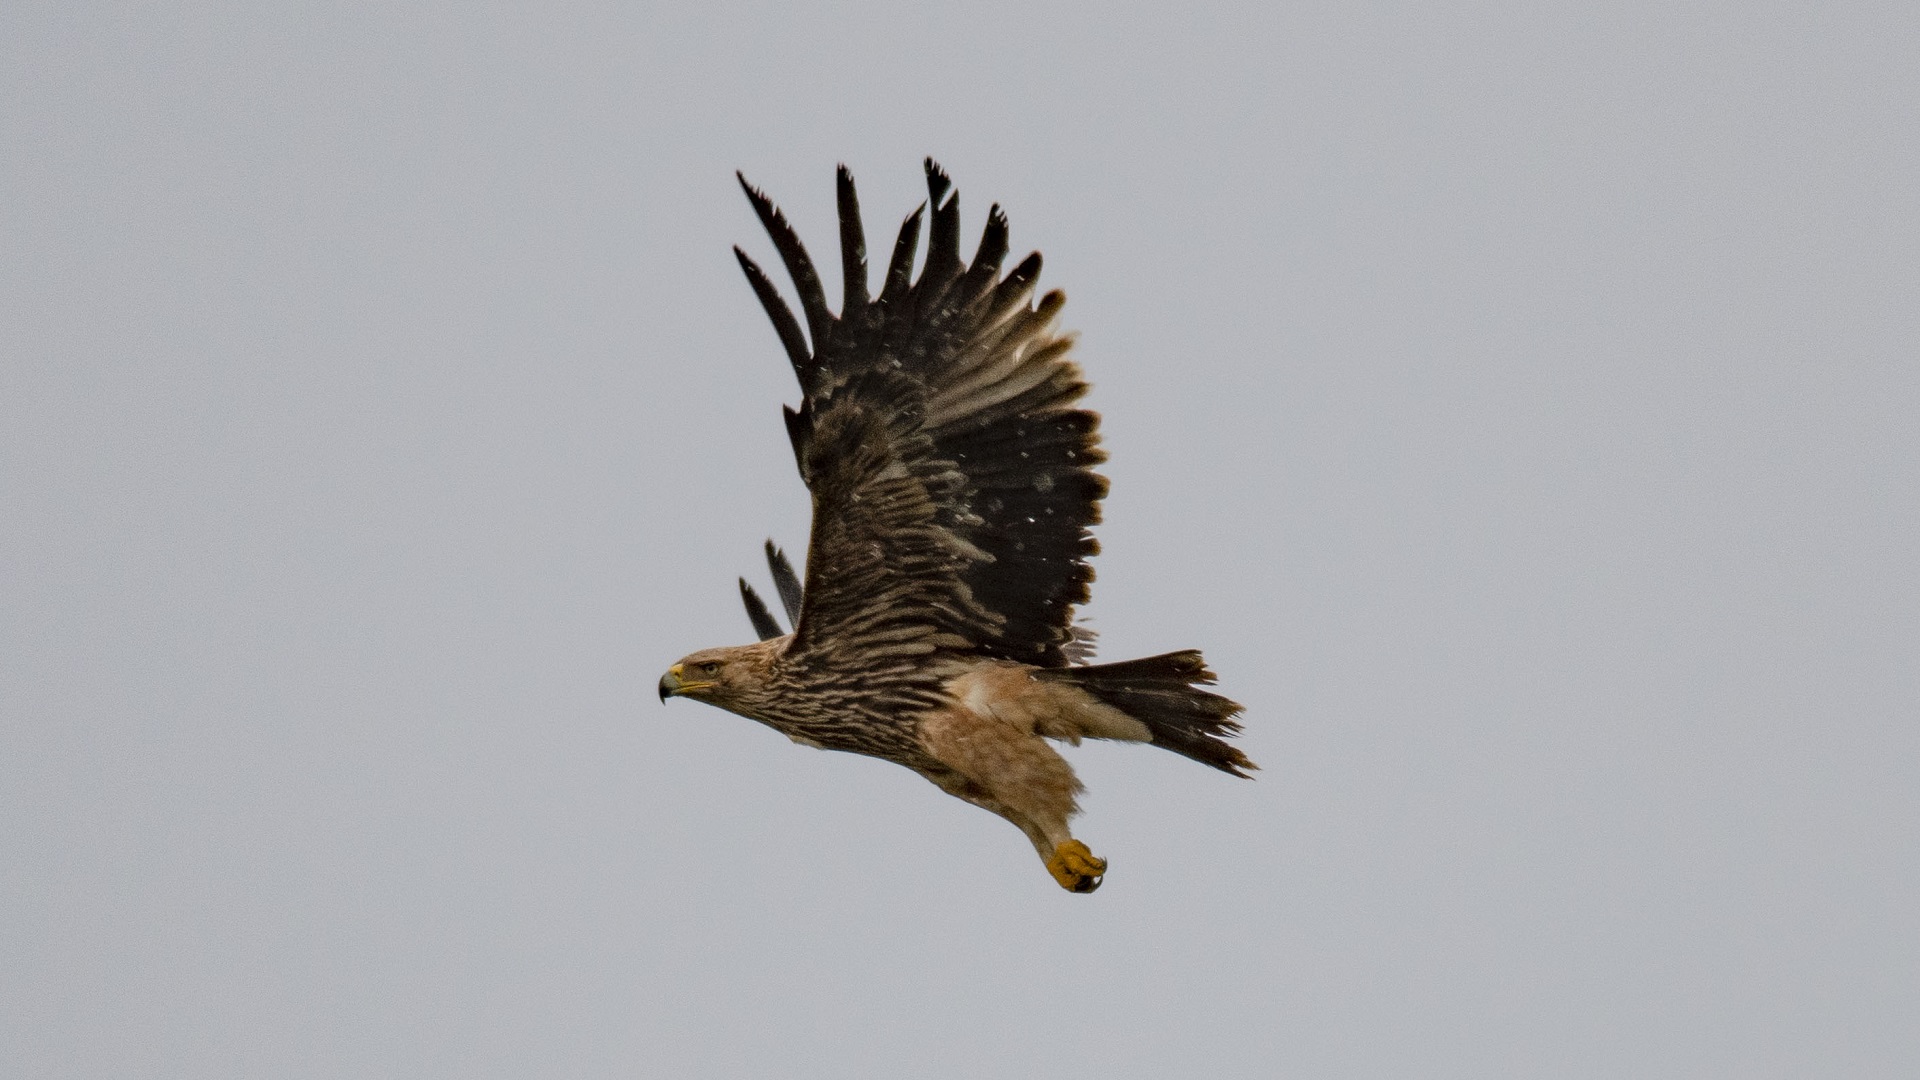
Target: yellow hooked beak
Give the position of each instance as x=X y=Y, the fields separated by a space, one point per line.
x=673 y=683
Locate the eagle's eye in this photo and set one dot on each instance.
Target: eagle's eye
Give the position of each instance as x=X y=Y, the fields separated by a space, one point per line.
x=711 y=667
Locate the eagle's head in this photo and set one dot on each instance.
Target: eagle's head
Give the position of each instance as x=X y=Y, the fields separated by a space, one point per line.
x=734 y=678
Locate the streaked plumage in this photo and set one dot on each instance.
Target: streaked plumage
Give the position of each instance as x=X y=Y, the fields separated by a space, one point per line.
x=953 y=487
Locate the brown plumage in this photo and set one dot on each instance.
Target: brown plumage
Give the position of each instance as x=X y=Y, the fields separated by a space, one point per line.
x=953 y=487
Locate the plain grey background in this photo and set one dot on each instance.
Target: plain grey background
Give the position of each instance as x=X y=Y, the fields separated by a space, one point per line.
x=1516 y=402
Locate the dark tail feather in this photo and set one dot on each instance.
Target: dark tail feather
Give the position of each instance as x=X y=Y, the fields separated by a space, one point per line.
x=1159 y=691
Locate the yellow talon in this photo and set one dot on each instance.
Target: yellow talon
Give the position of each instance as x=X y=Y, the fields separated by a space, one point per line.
x=1075 y=867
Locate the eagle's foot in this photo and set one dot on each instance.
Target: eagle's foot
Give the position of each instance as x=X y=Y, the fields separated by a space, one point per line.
x=1075 y=867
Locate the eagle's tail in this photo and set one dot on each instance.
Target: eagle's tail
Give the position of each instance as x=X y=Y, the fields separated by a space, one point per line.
x=1161 y=692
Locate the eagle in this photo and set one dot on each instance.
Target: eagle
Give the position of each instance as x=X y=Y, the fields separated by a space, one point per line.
x=953 y=487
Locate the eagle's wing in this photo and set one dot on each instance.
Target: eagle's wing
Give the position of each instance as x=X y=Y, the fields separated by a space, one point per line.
x=952 y=475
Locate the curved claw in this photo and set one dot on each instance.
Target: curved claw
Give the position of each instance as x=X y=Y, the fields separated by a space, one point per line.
x=1076 y=868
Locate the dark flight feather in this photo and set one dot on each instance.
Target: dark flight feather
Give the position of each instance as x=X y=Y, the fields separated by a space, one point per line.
x=784 y=324
x=785 y=582
x=853 y=248
x=813 y=298
x=943 y=239
x=900 y=268
x=757 y=613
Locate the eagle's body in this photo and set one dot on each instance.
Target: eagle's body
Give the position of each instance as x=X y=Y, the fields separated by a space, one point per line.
x=952 y=489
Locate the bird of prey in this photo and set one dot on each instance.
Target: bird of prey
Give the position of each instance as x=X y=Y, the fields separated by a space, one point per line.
x=953 y=487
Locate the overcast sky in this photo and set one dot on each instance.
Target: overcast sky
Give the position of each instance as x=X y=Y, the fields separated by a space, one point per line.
x=1518 y=405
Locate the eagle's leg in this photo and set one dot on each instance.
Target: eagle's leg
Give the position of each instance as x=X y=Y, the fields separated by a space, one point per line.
x=1018 y=776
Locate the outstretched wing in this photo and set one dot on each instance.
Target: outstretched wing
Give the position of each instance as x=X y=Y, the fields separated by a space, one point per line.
x=951 y=471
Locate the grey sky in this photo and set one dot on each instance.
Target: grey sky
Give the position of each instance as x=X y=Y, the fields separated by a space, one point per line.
x=1518 y=405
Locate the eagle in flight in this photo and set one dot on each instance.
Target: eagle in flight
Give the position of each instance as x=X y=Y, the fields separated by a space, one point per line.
x=953 y=487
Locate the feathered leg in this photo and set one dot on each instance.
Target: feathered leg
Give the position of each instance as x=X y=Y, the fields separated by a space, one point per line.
x=1018 y=776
